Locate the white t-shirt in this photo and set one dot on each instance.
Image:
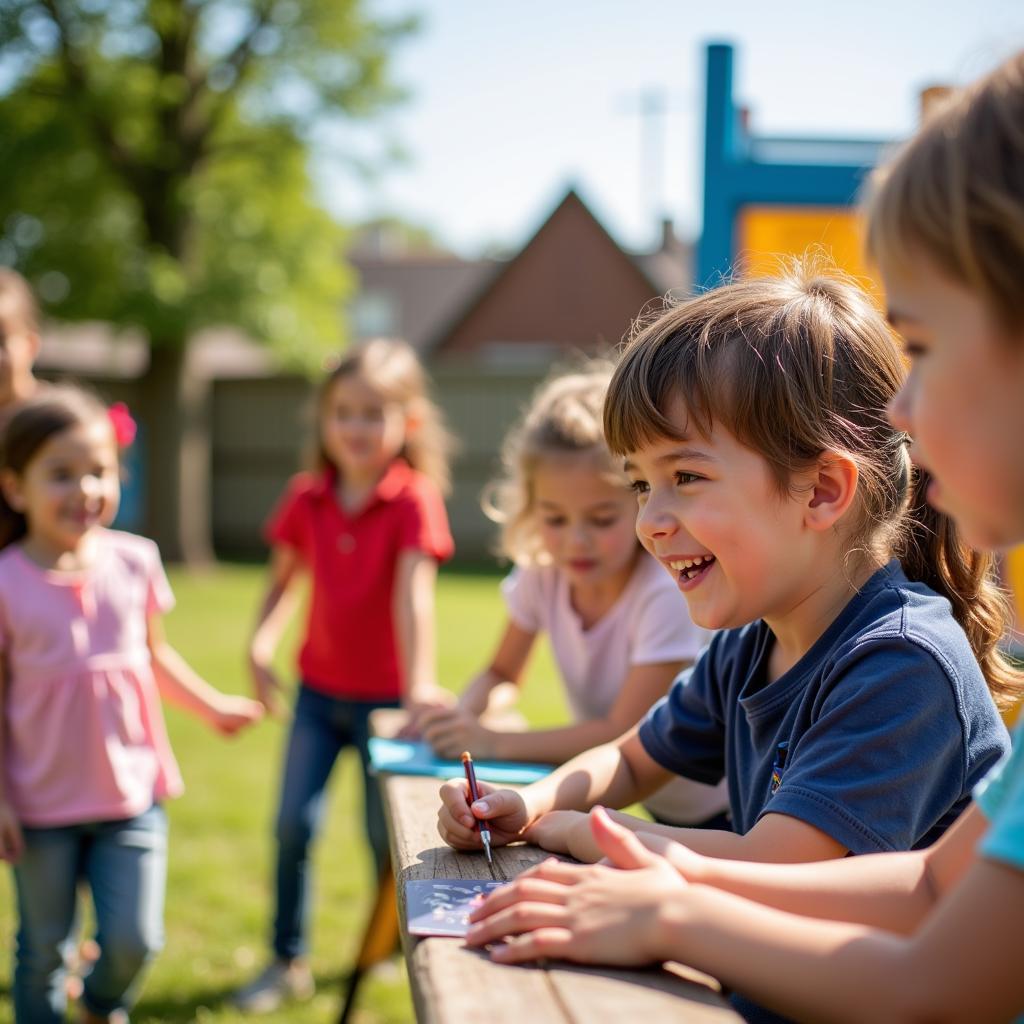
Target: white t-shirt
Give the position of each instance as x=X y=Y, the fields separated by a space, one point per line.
x=649 y=624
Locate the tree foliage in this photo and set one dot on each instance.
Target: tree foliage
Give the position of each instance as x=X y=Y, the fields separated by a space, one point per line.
x=153 y=158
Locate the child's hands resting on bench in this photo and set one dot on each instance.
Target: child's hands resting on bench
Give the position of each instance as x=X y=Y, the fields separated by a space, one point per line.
x=586 y=913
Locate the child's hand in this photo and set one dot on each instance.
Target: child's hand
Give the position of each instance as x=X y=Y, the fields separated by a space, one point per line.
x=586 y=913
x=12 y=842
x=452 y=730
x=504 y=809
x=268 y=688
x=422 y=702
x=564 y=832
x=231 y=714
x=590 y=914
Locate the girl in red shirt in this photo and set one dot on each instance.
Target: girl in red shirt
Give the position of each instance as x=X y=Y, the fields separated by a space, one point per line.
x=369 y=526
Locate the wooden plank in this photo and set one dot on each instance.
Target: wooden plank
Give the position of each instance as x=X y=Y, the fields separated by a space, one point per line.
x=450 y=983
x=609 y=994
x=455 y=985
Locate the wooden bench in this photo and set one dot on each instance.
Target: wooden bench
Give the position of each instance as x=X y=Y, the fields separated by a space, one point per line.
x=452 y=984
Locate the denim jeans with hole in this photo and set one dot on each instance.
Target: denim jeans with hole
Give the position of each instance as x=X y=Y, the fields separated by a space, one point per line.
x=124 y=864
x=321 y=728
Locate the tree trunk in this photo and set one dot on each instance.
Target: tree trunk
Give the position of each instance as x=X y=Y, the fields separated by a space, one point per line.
x=175 y=412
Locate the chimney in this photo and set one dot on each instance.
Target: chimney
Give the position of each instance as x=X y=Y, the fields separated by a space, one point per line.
x=744 y=121
x=668 y=235
x=932 y=98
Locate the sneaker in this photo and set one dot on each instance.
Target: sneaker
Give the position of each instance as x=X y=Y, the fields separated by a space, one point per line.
x=280 y=982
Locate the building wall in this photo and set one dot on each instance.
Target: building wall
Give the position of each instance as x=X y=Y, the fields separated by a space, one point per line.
x=259 y=431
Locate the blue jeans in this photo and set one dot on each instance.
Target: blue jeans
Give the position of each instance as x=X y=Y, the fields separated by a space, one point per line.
x=321 y=728
x=125 y=865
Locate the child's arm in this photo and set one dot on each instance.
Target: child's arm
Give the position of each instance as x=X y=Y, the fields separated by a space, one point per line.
x=958 y=963
x=894 y=891
x=415 y=582
x=12 y=842
x=179 y=683
x=776 y=838
x=506 y=667
x=644 y=685
x=451 y=730
x=277 y=607
x=616 y=774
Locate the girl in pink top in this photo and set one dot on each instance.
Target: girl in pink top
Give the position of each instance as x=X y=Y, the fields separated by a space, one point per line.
x=84 y=754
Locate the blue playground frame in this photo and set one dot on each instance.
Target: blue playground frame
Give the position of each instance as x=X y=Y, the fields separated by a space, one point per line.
x=741 y=169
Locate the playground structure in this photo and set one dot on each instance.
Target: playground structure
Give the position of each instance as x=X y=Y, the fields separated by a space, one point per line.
x=766 y=195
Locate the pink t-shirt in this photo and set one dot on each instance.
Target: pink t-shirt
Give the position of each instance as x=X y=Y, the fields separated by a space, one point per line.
x=85 y=735
x=647 y=625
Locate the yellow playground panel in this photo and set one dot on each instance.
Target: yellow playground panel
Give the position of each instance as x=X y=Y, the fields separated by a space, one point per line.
x=1013 y=574
x=764 y=232
x=1013 y=570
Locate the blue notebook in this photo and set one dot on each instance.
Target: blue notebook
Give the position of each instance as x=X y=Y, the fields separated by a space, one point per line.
x=407 y=757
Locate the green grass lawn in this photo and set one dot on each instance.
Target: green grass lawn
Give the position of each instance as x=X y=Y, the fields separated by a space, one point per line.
x=218 y=893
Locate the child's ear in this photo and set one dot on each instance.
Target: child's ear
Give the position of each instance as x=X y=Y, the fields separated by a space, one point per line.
x=413 y=422
x=833 y=486
x=10 y=484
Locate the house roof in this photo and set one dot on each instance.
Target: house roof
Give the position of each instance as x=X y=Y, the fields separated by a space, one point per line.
x=427 y=289
x=562 y=268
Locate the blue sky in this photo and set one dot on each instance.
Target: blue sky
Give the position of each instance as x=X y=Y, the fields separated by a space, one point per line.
x=512 y=102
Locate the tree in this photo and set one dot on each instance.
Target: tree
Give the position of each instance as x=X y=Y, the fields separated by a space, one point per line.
x=153 y=173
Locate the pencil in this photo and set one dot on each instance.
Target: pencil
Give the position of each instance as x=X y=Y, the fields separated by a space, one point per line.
x=474 y=795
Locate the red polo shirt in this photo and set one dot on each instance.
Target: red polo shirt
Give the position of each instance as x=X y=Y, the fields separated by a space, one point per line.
x=350 y=648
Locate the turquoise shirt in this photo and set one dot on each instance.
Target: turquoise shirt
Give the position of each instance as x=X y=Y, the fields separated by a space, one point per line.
x=1000 y=796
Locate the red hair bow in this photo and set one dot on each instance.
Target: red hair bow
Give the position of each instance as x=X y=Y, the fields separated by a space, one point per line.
x=123 y=423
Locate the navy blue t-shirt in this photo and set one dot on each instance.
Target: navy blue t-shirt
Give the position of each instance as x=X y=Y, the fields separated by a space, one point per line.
x=886 y=722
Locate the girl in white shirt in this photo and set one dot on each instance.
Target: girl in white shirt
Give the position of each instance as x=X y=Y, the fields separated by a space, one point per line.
x=617 y=623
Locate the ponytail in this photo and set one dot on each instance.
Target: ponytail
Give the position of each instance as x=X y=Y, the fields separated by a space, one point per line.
x=934 y=553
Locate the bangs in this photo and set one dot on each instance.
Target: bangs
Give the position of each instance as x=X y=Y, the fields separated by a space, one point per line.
x=685 y=356
x=790 y=367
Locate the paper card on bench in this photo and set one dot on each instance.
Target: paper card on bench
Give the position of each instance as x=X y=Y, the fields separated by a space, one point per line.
x=441 y=906
x=405 y=757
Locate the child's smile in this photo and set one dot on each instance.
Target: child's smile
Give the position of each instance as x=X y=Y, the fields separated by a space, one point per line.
x=712 y=514
x=690 y=569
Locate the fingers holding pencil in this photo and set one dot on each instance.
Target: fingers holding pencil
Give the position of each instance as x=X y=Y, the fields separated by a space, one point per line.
x=503 y=809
